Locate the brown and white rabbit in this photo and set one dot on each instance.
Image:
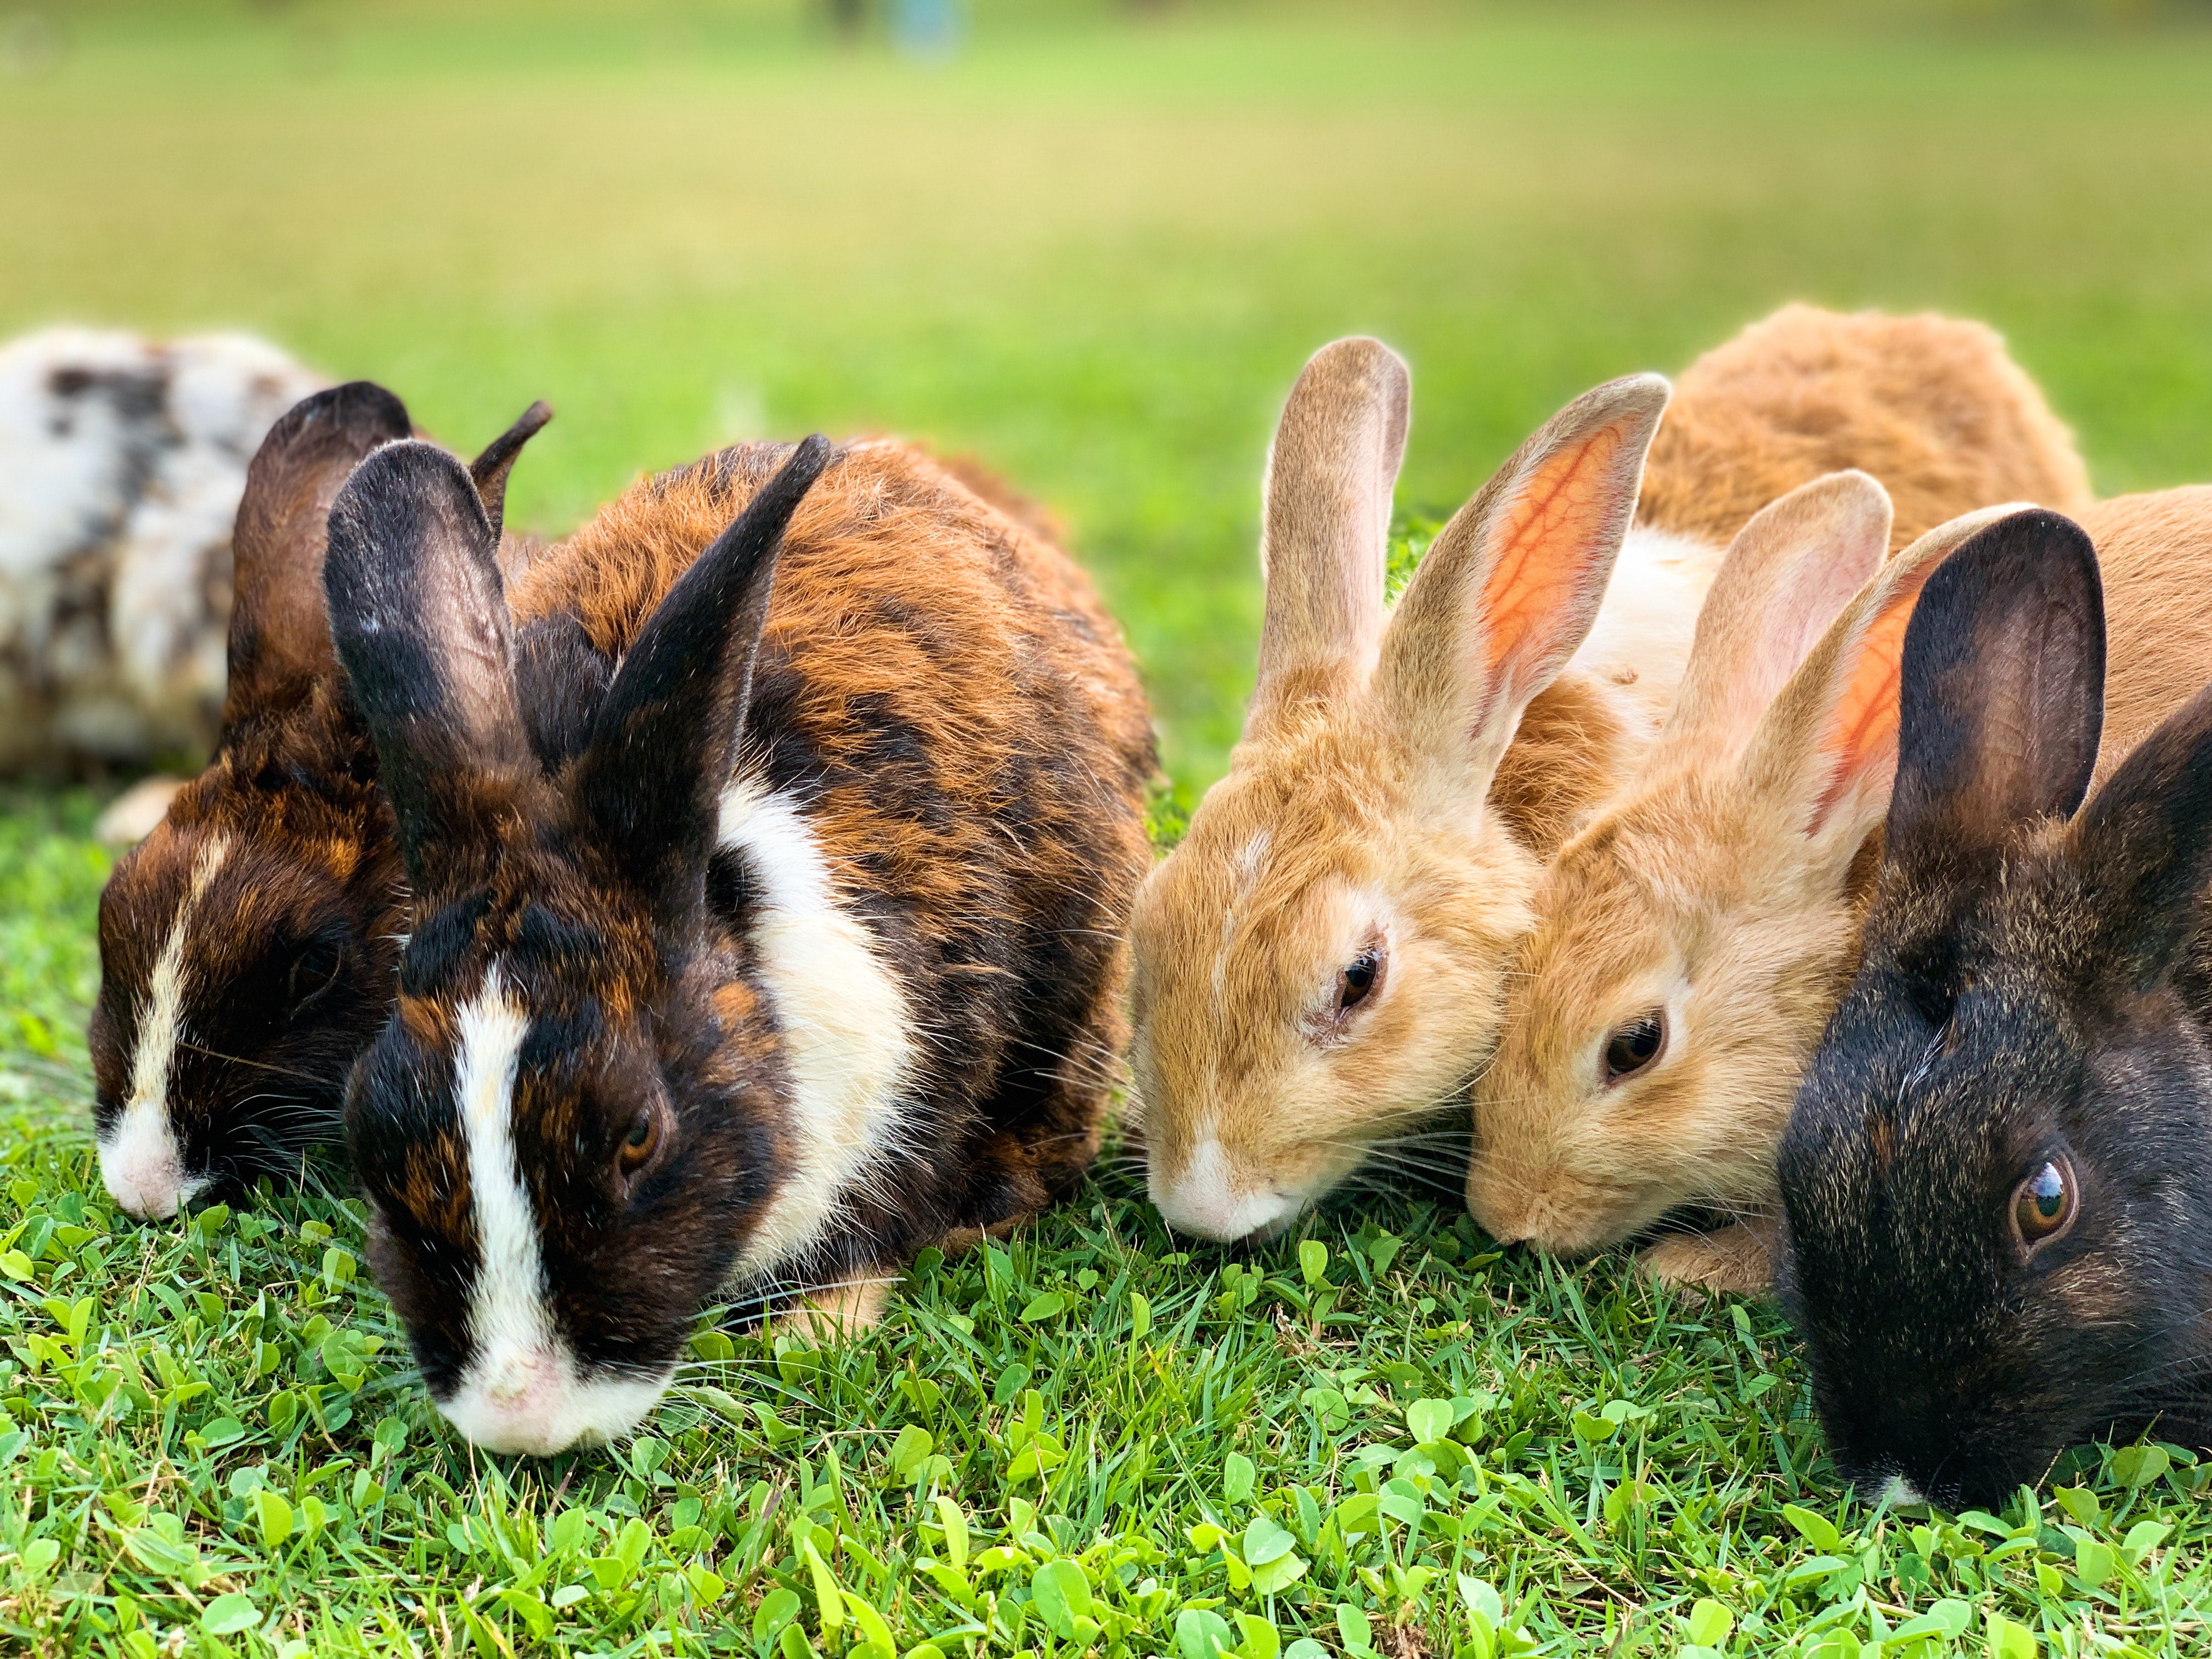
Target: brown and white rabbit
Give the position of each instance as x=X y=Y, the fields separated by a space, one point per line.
x=1998 y=1242
x=247 y=946
x=1692 y=941
x=1322 y=964
x=121 y=463
x=810 y=954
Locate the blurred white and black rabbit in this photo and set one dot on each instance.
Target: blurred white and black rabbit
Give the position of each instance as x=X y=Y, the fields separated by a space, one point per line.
x=122 y=460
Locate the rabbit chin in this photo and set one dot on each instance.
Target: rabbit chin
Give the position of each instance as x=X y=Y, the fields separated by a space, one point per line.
x=533 y=1400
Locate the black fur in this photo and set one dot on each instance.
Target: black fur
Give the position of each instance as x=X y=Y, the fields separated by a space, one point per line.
x=2027 y=993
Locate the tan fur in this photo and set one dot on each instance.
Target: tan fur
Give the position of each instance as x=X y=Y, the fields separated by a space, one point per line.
x=1700 y=891
x=1931 y=406
x=1352 y=818
x=1330 y=764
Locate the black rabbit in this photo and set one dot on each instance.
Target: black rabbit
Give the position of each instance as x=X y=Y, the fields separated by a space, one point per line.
x=1997 y=1175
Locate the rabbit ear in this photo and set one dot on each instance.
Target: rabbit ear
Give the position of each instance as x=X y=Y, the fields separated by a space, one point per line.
x=1825 y=750
x=420 y=619
x=666 y=738
x=1787 y=575
x=280 y=637
x=1512 y=584
x=2002 y=696
x=489 y=471
x=1326 y=521
x=2145 y=840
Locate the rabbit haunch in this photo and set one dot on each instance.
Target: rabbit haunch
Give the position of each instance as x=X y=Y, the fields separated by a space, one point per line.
x=804 y=955
x=247 y=945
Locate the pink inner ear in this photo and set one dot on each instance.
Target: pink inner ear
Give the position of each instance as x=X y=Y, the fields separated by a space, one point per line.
x=1861 y=739
x=1539 y=600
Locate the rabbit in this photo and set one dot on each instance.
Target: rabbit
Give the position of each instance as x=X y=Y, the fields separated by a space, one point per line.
x=807 y=955
x=121 y=463
x=1932 y=406
x=1693 y=938
x=248 y=943
x=1993 y=1177
x=1282 y=1032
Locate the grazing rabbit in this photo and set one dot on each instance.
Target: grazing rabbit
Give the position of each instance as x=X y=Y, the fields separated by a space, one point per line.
x=809 y=954
x=1321 y=964
x=121 y=463
x=247 y=945
x=1692 y=941
x=1998 y=1236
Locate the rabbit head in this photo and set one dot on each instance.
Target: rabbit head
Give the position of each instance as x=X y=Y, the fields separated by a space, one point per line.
x=1993 y=1177
x=1691 y=940
x=248 y=943
x=569 y=1127
x=1319 y=961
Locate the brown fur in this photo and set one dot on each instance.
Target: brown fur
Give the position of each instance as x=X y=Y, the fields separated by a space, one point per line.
x=1931 y=406
x=943 y=692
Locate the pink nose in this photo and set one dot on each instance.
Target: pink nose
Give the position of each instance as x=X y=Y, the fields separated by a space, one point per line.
x=514 y=1405
x=150 y=1187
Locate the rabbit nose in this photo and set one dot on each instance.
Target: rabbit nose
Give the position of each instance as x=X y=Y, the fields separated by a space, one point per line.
x=142 y=1167
x=520 y=1374
x=1207 y=1201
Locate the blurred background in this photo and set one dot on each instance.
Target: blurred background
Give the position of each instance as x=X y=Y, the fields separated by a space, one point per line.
x=1090 y=242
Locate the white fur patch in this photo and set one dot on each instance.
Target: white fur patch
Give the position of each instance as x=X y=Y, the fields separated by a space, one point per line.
x=522 y=1391
x=141 y=1160
x=847 y=1038
x=1640 y=641
x=1204 y=1200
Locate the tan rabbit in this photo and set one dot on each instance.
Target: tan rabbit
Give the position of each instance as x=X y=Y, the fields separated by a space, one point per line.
x=1693 y=938
x=1321 y=964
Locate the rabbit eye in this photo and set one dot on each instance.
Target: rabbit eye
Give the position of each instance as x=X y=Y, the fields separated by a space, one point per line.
x=1359 y=979
x=2044 y=1205
x=314 y=970
x=1632 y=1047
x=639 y=1146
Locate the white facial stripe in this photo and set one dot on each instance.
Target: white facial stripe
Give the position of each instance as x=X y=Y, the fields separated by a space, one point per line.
x=846 y=1035
x=522 y=1391
x=506 y=1306
x=140 y=1158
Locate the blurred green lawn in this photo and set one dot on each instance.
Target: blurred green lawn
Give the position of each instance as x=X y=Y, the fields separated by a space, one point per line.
x=1091 y=252
x=1095 y=254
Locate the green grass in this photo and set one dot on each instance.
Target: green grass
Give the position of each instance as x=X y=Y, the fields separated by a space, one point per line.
x=1093 y=254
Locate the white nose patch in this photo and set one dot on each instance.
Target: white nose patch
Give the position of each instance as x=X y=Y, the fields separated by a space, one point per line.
x=1207 y=1201
x=140 y=1159
x=522 y=1391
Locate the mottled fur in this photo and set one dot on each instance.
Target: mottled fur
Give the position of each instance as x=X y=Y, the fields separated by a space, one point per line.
x=1726 y=897
x=287 y=958
x=2027 y=995
x=940 y=693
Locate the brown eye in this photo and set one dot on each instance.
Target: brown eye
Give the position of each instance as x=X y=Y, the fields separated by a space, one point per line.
x=1357 y=979
x=314 y=970
x=1632 y=1047
x=2043 y=1205
x=639 y=1146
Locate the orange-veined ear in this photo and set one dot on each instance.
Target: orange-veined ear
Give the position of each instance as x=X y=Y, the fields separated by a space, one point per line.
x=1511 y=587
x=1788 y=576
x=1326 y=522
x=1827 y=746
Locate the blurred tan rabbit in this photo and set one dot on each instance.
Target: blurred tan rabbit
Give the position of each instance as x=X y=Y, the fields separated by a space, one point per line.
x=1692 y=940
x=1321 y=964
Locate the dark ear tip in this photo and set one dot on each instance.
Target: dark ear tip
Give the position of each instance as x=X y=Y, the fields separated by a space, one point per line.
x=360 y=410
x=397 y=486
x=2036 y=538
